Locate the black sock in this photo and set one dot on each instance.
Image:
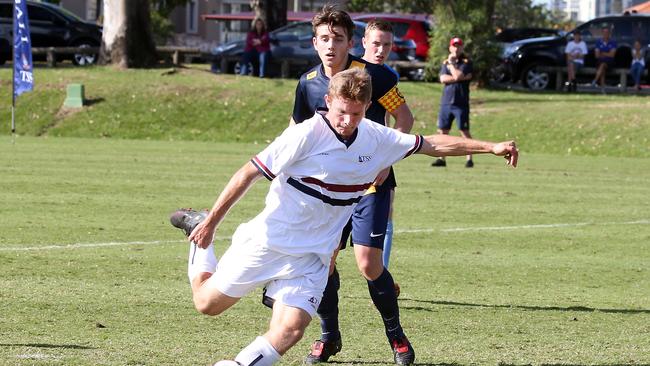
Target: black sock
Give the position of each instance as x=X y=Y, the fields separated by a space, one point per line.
x=328 y=310
x=382 y=292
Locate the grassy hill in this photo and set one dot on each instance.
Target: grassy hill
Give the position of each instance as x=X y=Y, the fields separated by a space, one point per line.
x=194 y=104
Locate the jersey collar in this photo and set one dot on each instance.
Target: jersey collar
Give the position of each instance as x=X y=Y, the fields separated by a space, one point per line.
x=347 y=142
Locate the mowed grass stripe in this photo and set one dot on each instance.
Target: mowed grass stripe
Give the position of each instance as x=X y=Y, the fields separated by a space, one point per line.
x=396 y=232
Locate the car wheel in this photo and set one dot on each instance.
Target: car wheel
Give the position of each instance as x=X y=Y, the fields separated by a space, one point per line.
x=535 y=79
x=83 y=59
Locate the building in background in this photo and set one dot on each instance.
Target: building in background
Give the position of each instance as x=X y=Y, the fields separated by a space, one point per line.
x=584 y=10
x=189 y=27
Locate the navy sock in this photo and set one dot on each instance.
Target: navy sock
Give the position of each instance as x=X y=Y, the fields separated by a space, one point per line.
x=382 y=292
x=328 y=310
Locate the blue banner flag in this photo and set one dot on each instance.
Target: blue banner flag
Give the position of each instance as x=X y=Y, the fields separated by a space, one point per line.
x=23 y=66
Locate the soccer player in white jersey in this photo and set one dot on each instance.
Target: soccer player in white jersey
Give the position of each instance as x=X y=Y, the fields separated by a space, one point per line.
x=319 y=170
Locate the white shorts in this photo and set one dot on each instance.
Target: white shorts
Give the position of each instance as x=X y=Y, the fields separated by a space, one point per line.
x=291 y=280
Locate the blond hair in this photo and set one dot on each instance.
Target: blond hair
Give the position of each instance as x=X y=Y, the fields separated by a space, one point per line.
x=378 y=24
x=353 y=85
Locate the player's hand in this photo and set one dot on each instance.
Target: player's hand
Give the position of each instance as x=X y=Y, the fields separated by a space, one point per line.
x=508 y=150
x=381 y=177
x=203 y=234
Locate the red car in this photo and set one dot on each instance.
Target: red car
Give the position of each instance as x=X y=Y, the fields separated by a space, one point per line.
x=406 y=26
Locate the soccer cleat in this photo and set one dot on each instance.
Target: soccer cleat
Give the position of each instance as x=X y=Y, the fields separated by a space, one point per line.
x=322 y=351
x=469 y=164
x=439 y=162
x=403 y=353
x=186 y=219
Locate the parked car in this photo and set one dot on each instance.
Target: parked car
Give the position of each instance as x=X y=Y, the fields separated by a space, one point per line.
x=294 y=43
x=524 y=60
x=509 y=35
x=50 y=26
x=504 y=38
x=407 y=26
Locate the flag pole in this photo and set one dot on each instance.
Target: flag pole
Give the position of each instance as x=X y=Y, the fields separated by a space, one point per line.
x=13 y=80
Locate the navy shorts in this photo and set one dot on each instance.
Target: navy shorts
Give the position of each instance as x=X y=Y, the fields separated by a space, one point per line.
x=369 y=219
x=447 y=115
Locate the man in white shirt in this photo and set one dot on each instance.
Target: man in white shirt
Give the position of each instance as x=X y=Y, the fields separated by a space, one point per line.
x=575 y=51
x=319 y=170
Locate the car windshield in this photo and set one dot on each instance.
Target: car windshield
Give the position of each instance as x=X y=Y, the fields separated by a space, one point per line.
x=67 y=13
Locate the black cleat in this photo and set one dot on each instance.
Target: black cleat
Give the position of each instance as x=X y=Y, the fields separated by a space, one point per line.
x=322 y=351
x=403 y=353
x=469 y=164
x=439 y=162
x=186 y=219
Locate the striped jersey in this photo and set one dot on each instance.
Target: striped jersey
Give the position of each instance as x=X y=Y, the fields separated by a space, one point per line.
x=317 y=180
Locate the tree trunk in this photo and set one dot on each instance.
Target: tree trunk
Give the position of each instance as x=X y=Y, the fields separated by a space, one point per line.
x=127 y=40
x=273 y=12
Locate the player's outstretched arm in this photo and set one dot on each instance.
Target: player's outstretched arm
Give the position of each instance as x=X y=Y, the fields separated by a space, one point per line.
x=446 y=145
x=234 y=190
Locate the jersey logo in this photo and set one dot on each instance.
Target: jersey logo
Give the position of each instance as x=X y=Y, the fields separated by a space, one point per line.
x=364 y=158
x=312 y=75
x=357 y=65
x=392 y=100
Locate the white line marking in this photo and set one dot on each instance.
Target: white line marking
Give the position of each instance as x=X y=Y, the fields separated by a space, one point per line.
x=16 y=247
x=523 y=227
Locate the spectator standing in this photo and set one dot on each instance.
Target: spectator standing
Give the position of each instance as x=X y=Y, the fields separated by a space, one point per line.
x=257 y=45
x=638 y=64
x=455 y=74
x=604 y=52
x=575 y=52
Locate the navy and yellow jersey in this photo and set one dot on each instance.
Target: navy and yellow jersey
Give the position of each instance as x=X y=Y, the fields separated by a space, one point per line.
x=457 y=94
x=312 y=87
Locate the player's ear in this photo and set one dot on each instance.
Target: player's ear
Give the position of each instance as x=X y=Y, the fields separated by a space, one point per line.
x=313 y=41
x=328 y=101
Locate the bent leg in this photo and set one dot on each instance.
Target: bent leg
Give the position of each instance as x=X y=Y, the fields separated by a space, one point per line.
x=207 y=299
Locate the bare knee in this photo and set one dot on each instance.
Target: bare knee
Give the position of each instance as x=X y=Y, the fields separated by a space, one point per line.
x=206 y=307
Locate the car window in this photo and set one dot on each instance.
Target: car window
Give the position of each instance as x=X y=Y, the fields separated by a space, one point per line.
x=294 y=32
x=400 y=29
x=6 y=11
x=641 y=30
x=622 y=30
x=37 y=13
x=594 y=30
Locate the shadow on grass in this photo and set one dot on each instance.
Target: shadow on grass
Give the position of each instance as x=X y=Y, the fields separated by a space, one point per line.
x=45 y=345
x=91 y=101
x=524 y=307
x=358 y=362
x=578 y=364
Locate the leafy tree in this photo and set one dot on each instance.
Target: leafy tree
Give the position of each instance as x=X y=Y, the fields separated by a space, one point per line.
x=471 y=20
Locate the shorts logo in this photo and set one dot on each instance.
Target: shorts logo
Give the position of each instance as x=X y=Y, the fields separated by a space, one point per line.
x=364 y=158
x=373 y=235
x=313 y=301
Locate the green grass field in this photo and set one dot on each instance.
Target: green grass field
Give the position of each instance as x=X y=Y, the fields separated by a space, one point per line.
x=543 y=265
x=546 y=264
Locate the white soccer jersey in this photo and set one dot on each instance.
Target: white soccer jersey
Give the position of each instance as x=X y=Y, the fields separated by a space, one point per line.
x=317 y=179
